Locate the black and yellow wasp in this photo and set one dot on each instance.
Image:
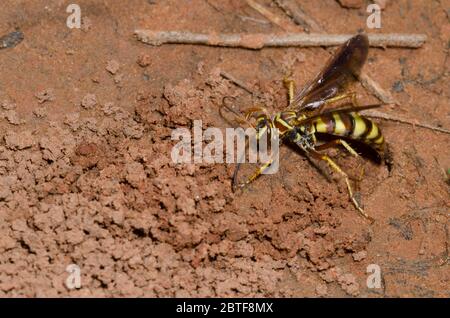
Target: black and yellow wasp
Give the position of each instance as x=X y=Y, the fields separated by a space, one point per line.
x=324 y=107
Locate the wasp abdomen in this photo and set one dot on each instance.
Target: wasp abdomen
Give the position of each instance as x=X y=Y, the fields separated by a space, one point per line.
x=351 y=125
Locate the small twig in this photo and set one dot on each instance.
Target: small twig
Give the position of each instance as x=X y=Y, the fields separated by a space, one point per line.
x=212 y=5
x=292 y=9
x=237 y=82
x=246 y=18
x=270 y=16
x=380 y=93
x=377 y=114
x=258 y=41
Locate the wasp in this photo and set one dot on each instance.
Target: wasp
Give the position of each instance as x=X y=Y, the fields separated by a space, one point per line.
x=323 y=108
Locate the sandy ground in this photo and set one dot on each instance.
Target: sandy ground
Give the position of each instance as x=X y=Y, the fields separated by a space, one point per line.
x=86 y=176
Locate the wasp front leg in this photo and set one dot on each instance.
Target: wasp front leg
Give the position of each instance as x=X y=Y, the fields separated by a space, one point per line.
x=255 y=112
x=258 y=171
x=238 y=118
x=264 y=126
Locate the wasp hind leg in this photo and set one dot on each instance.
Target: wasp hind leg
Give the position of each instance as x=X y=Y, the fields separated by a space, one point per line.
x=338 y=169
x=336 y=142
x=349 y=148
x=350 y=95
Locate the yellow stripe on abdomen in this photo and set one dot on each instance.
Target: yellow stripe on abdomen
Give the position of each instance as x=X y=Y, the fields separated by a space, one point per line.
x=379 y=140
x=321 y=126
x=359 y=126
x=373 y=132
x=339 y=128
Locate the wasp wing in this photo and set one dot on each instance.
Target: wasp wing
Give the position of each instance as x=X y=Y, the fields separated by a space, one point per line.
x=335 y=77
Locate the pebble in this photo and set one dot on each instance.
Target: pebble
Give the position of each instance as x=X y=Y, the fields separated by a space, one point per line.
x=112 y=66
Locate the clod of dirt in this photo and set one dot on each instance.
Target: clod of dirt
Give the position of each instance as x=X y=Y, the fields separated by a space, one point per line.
x=40 y=112
x=109 y=108
x=359 y=256
x=19 y=140
x=74 y=237
x=12 y=117
x=112 y=66
x=87 y=155
x=6 y=105
x=45 y=95
x=135 y=174
x=86 y=24
x=89 y=101
x=351 y=4
x=144 y=60
x=50 y=148
x=347 y=281
x=348 y=284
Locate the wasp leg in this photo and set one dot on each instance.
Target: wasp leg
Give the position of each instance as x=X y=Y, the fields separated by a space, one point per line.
x=346 y=146
x=352 y=151
x=351 y=95
x=290 y=86
x=336 y=142
x=259 y=171
x=238 y=118
x=336 y=168
x=250 y=111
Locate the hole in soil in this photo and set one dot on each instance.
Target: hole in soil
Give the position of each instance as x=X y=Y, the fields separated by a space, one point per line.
x=139 y=232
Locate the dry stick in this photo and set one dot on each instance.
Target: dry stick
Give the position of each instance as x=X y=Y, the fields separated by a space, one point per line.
x=368 y=83
x=237 y=82
x=270 y=16
x=259 y=40
x=377 y=114
x=292 y=9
